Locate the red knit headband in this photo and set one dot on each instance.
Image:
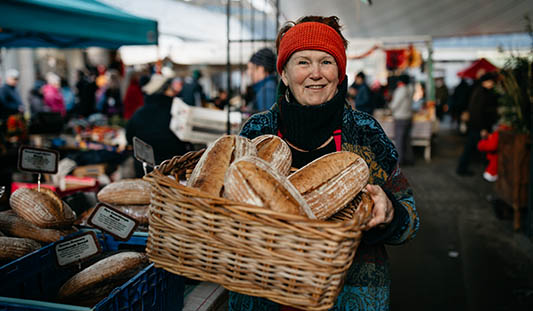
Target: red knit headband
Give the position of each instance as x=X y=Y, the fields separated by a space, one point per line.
x=312 y=36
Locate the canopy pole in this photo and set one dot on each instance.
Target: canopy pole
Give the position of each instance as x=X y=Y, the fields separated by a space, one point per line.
x=228 y=63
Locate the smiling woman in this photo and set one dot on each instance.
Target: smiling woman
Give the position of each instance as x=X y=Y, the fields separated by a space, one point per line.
x=312 y=116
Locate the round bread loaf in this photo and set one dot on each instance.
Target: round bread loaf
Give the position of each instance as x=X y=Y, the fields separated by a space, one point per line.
x=126 y=192
x=275 y=151
x=42 y=208
x=252 y=180
x=14 y=225
x=208 y=174
x=328 y=183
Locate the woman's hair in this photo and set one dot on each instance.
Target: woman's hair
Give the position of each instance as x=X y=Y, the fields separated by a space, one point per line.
x=332 y=21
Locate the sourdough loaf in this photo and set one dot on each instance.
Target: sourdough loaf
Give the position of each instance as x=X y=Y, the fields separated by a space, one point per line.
x=252 y=180
x=12 y=247
x=90 y=285
x=331 y=181
x=275 y=151
x=16 y=226
x=42 y=208
x=126 y=192
x=208 y=174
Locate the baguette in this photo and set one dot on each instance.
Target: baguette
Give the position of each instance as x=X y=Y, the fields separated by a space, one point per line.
x=42 y=208
x=331 y=181
x=126 y=192
x=275 y=151
x=208 y=174
x=251 y=180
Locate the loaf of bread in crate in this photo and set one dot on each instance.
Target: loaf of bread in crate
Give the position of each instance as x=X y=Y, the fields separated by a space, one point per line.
x=16 y=226
x=208 y=174
x=126 y=192
x=13 y=247
x=43 y=208
x=252 y=180
x=328 y=183
x=95 y=282
x=275 y=151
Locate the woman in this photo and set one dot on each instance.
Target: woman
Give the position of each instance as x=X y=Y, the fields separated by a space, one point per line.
x=312 y=116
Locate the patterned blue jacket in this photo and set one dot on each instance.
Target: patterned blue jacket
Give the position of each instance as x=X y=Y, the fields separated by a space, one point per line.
x=367 y=284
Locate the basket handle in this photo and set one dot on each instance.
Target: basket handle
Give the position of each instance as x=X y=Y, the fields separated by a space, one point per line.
x=179 y=163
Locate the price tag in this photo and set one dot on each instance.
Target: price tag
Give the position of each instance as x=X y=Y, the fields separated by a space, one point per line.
x=38 y=160
x=77 y=248
x=114 y=222
x=143 y=151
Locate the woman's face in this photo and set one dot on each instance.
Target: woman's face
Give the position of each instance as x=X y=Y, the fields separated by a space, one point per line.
x=312 y=76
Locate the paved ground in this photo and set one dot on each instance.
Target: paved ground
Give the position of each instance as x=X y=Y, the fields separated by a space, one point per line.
x=464 y=257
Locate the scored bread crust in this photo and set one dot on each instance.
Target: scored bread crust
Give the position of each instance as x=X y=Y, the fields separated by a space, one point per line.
x=208 y=174
x=94 y=275
x=275 y=151
x=252 y=180
x=14 y=225
x=330 y=182
x=128 y=191
x=44 y=209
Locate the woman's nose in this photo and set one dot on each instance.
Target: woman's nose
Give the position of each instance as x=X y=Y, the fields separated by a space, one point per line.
x=315 y=71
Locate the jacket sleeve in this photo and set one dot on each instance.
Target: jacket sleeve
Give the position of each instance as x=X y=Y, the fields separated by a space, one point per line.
x=258 y=124
x=381 y=157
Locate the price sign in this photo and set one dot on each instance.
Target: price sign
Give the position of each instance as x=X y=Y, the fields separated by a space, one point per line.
x=143 y=152
x=77 y=248
x=38 y=160
x=116 y=223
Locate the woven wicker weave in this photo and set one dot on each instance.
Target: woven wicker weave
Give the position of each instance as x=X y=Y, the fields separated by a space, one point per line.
x=286 y=258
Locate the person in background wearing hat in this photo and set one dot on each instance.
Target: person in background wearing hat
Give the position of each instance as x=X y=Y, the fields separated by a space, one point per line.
x=311 y=114
x=10 y=101
x=151 y=122
x=261 y=70
x=482 y=115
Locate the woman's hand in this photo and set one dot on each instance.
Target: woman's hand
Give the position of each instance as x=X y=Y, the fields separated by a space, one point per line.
x=383 y=212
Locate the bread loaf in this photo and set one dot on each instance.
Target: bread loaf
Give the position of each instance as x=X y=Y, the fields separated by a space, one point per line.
x=126 y=192
x=93 y=281
x=252 y=180
x=331 y=181
x=16 y=226
x=275 y=151
x=13 y=248
x=208 y=174
x=42 y=208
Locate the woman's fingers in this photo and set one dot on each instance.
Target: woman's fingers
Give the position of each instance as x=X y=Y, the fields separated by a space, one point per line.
x=383 y=212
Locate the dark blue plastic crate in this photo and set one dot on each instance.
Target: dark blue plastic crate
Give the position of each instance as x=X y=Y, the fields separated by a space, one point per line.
x=30 y=282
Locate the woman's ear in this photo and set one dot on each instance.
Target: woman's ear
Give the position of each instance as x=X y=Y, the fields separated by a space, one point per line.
x=284 y=77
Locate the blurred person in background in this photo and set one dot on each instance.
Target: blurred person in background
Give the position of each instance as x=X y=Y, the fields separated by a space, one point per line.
x=482 y=115
x=312 y=116
x=151 y=122
x=192 y=92
x=441 y=96
x=68 y=96
x=363 y=95
x=262 y=71
x=10 y=100
x=419 y=97
x=133 y=99
x=53 y=99
x=111 y=99
x=459 y=103
x=86 y=93
x=401 y=107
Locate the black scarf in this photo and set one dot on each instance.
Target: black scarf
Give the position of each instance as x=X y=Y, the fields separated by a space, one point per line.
x=308 y=127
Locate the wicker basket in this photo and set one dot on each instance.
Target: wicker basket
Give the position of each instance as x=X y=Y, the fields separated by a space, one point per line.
x=288 y=259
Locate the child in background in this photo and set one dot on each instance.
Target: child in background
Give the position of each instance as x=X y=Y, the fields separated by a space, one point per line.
x=489 y=144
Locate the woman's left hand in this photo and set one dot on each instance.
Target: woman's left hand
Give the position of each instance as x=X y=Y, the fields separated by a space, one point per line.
x=383 y=211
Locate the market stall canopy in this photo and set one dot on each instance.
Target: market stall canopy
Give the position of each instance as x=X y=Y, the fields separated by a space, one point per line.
x=477 y=69
x=71 y=24
x=397 y=18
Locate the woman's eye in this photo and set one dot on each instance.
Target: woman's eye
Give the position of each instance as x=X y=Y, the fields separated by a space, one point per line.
x=327 y=62
x=302 y=62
